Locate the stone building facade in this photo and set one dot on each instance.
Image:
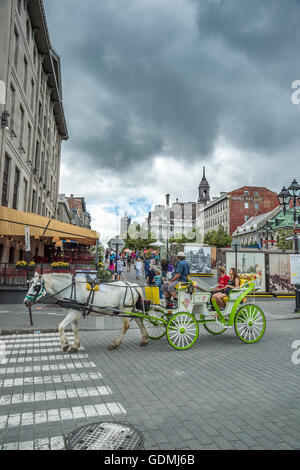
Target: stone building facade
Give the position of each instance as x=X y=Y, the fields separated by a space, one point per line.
x=77 y=205
x=33 y=123
x=32 y=134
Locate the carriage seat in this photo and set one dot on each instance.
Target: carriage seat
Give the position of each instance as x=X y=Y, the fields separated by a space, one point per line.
x=225 y=299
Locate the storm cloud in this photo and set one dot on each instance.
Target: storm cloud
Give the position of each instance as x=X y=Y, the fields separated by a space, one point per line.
x=180 y=79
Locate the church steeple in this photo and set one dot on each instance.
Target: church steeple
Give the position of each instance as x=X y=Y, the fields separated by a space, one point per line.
x=204 y=188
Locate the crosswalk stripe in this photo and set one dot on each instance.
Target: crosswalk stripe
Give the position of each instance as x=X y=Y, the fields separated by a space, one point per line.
x=47 y=358
x=36 y=397
x=15 y=382
x=48 y=349
x=76 y=412
x=55 y=443
x=47 y=368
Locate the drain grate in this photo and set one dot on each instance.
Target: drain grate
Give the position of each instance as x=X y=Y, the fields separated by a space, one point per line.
x=105 y=436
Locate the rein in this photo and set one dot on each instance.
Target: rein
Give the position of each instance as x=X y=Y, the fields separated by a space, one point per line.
x=86 y=307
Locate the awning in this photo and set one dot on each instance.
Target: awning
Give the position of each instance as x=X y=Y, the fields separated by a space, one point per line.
x=13 y=223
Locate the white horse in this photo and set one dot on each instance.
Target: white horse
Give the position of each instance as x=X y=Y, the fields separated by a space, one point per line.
x=113 y=295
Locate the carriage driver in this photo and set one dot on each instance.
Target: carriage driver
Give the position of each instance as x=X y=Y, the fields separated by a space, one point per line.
x=180 y=274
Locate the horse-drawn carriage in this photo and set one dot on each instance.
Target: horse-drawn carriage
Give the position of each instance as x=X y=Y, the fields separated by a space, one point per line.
x=123 y=299
x=197 y=308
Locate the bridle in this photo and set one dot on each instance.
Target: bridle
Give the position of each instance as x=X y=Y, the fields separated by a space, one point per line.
x=39 y=290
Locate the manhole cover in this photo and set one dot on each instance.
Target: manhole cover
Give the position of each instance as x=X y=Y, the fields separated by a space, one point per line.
x=105 y=436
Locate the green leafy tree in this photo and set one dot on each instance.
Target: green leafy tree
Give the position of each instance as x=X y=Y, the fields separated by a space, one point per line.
x=282 y=243
x=218 y=238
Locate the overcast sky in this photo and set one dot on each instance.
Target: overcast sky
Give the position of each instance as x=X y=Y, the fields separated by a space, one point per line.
x=154 y=90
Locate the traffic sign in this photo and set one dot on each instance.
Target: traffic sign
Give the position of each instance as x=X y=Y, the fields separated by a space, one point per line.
x=117 y=244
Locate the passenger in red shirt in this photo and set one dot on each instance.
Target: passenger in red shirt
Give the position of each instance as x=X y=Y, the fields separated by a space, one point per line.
x=223 y=281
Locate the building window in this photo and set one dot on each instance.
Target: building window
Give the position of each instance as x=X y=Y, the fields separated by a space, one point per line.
x=246 y=218
x=33 y=206
x=32 y=94
x=28 y=31
x=246 y=205
x=256 y=193
x=5 y=181
x=36 y=162
x=17 y=44
x=29 y=143
x=16 y=189
x=22 y=126
x=246 y=193
x=25 y=195
x=34 y=56
x=256 y=206
x=12 y=105
x=25 y=74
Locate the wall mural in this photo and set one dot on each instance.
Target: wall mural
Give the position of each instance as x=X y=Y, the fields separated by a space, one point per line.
x=199 y=258
x=249 y=263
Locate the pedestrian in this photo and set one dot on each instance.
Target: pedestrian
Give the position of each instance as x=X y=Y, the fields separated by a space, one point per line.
x=146 y=267
x=158 y=281
x=129 y=263
x=164 y=268
x=150 y=277
x=138 y=269
x=119 y=269
x=170 y=271
x=111 y=266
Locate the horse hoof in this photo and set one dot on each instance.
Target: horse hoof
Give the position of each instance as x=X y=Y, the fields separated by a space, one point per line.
x=144 y=344
x=65 y=348
x=111 y=347
x=73 y=350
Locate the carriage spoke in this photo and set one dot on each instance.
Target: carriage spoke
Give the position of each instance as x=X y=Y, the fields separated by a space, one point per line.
x=182 y=331
x=250 y=323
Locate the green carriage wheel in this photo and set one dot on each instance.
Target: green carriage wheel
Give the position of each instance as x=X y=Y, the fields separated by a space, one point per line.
x=156 y=329
x=250 y=323
x=214 y=328
x=182 y=331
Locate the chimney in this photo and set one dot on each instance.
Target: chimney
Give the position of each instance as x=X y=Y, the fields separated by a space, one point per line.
x=168 y=200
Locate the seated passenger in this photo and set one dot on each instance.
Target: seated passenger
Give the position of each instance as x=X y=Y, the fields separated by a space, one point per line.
x=233 y=283
x=180 y=274
x=223 y=281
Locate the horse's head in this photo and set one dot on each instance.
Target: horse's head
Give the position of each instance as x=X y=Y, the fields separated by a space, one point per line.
x=36 y=290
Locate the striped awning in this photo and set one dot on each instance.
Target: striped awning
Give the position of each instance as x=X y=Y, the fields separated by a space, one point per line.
x=13 y=223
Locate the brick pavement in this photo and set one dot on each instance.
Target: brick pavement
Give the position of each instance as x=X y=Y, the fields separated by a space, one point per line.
x=220 y=394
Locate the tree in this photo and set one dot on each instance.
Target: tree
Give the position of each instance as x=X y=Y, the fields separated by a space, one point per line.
x=218 y=238
x=282 y=243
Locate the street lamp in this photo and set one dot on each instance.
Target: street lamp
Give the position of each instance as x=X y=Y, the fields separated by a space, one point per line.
x=285 y=197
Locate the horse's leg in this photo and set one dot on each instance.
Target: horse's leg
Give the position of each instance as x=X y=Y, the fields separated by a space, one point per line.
x=76 y=344
x=144 y=332
x=115 y=344
x=61 y=329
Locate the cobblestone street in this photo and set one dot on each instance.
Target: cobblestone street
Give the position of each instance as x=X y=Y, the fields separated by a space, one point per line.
x=220 y=394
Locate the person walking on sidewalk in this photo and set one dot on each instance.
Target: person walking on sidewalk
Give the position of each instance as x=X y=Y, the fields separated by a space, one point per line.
x=119 y=269
x=138 y=269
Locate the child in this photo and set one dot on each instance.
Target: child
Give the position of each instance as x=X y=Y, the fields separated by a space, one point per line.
x=158 y=282
x=170 y=271
x=111 y=267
